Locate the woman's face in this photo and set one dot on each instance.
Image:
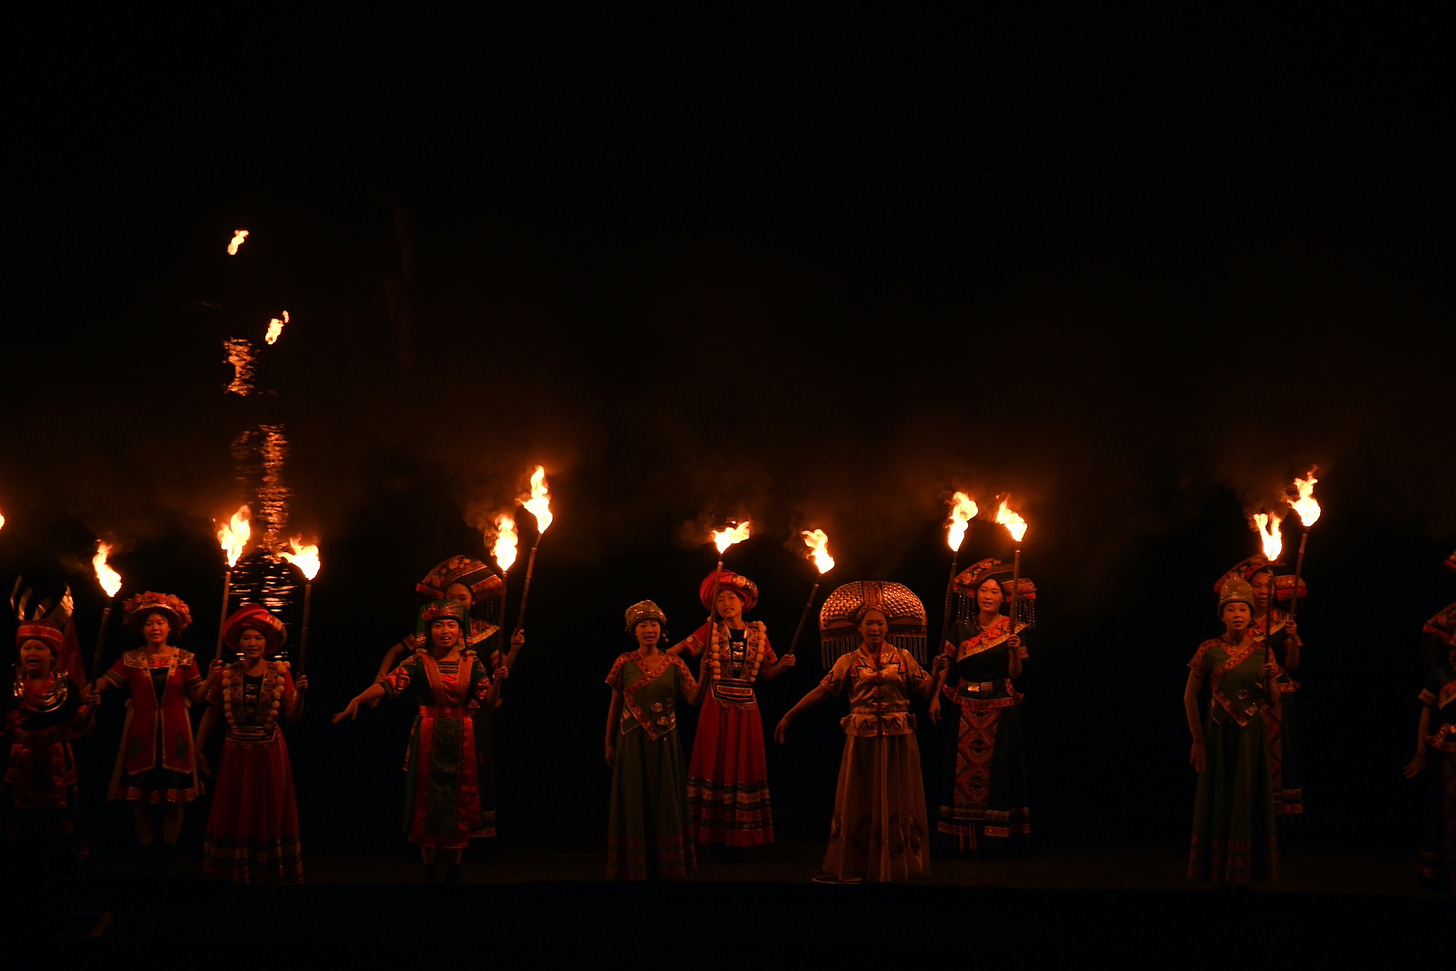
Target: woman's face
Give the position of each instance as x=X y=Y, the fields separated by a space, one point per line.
x=252 y=644
x=155 y=629
x=1260 y=585
x=1236 y=617
x=648 y=633
x=459 y=593
x=729 y=604
x=989 y=597
x=445 y=632
x=36 y=658
x=873 y=626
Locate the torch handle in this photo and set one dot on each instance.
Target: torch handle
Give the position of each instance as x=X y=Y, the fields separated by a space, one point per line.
x=303 y=640
x=526 y=590
x=100 y=643
x=1298 y=568
x=1015 y=582
x=945 y=615
x=227 y=588
x=803 y=617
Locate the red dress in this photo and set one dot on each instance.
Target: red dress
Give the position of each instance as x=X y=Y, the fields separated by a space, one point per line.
x=156 y=763
x=252 y=833
x=728 y=800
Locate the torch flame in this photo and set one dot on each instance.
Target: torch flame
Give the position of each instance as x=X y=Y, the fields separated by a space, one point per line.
x=538 y=503
x=110 y=580
x=238 y=236
x=2 y=520
x=306 y=558
x=275 y=327
x=1267 y=526
x=962 y=511
x=1305 y=506
x=1014 y=524
x=724 y=538
x=234 y=536
x=819 y=543
x=504 y=549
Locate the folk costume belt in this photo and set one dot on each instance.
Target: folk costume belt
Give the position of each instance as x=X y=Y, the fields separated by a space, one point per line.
x=451 y=711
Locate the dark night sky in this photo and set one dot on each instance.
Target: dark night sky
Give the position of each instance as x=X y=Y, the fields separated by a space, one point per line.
x=815 y=268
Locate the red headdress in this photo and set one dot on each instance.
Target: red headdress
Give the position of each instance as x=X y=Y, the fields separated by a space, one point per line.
x=141 y=606
x=48 y=634
x=253 y=617
x=480 y=578
x=746 y=589
x=1249 y=568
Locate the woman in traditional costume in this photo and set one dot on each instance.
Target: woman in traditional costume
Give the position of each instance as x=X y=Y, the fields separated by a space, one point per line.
x=442 y=808
x=252 y=833
x=728 y=800
x=157 y=762
x=482 y=590
x=1234 y=838
x=880 y=830
x=49 y=711
x=648 y=834
x=1281 y=633
x=983 y=802
x=1434 y=764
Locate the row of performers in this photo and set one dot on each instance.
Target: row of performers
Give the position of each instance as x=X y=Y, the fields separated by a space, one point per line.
x=872 y=632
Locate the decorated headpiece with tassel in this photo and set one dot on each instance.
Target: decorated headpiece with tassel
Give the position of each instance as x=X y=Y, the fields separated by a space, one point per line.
x=1251 y=567
x=839 y=624
x=969 y=581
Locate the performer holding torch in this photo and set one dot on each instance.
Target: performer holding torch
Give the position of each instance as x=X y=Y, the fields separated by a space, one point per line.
x=1434 y=764
x=728 y=796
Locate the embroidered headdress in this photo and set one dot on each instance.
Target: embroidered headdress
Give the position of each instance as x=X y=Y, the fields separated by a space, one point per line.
x=1235 y=590
x=1249 y=568
x=1443 y=625
x=487 y=587
x=443 y=610
x=143 y=605
x=746 y=589
x=969 y=581
x=253 y=617
x=839 y=626
x=646 y=610
x=48 y=634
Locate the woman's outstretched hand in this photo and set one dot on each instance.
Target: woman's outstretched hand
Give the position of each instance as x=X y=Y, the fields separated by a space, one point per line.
x=782 y=731
x=351 y=711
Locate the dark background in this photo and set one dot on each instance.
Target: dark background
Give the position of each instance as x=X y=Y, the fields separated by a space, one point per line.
x=818 y=269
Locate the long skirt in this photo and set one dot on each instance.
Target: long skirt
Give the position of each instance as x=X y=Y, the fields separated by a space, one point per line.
x=984 y=794
x=728 y=798
x=442 y=789
x=879 y=831
x=1234 y=838
x=1438 y=819
x=648 y=835
x=252 y=833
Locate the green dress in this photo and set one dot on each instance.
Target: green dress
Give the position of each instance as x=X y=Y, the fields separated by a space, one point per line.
x=648 y=833
x=1233 y=811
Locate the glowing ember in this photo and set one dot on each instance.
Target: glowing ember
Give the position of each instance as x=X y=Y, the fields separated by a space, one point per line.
x=234 y=536
x=1014 y=524
x=306 y=558
x=504 y=549
x=275 y=327
x=238 y=236
x=724 y=538
x=109 y=579
x=1267 y=526
x=962 y=511
x=819 y=543
x=1305 y=506
x=538 y=503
